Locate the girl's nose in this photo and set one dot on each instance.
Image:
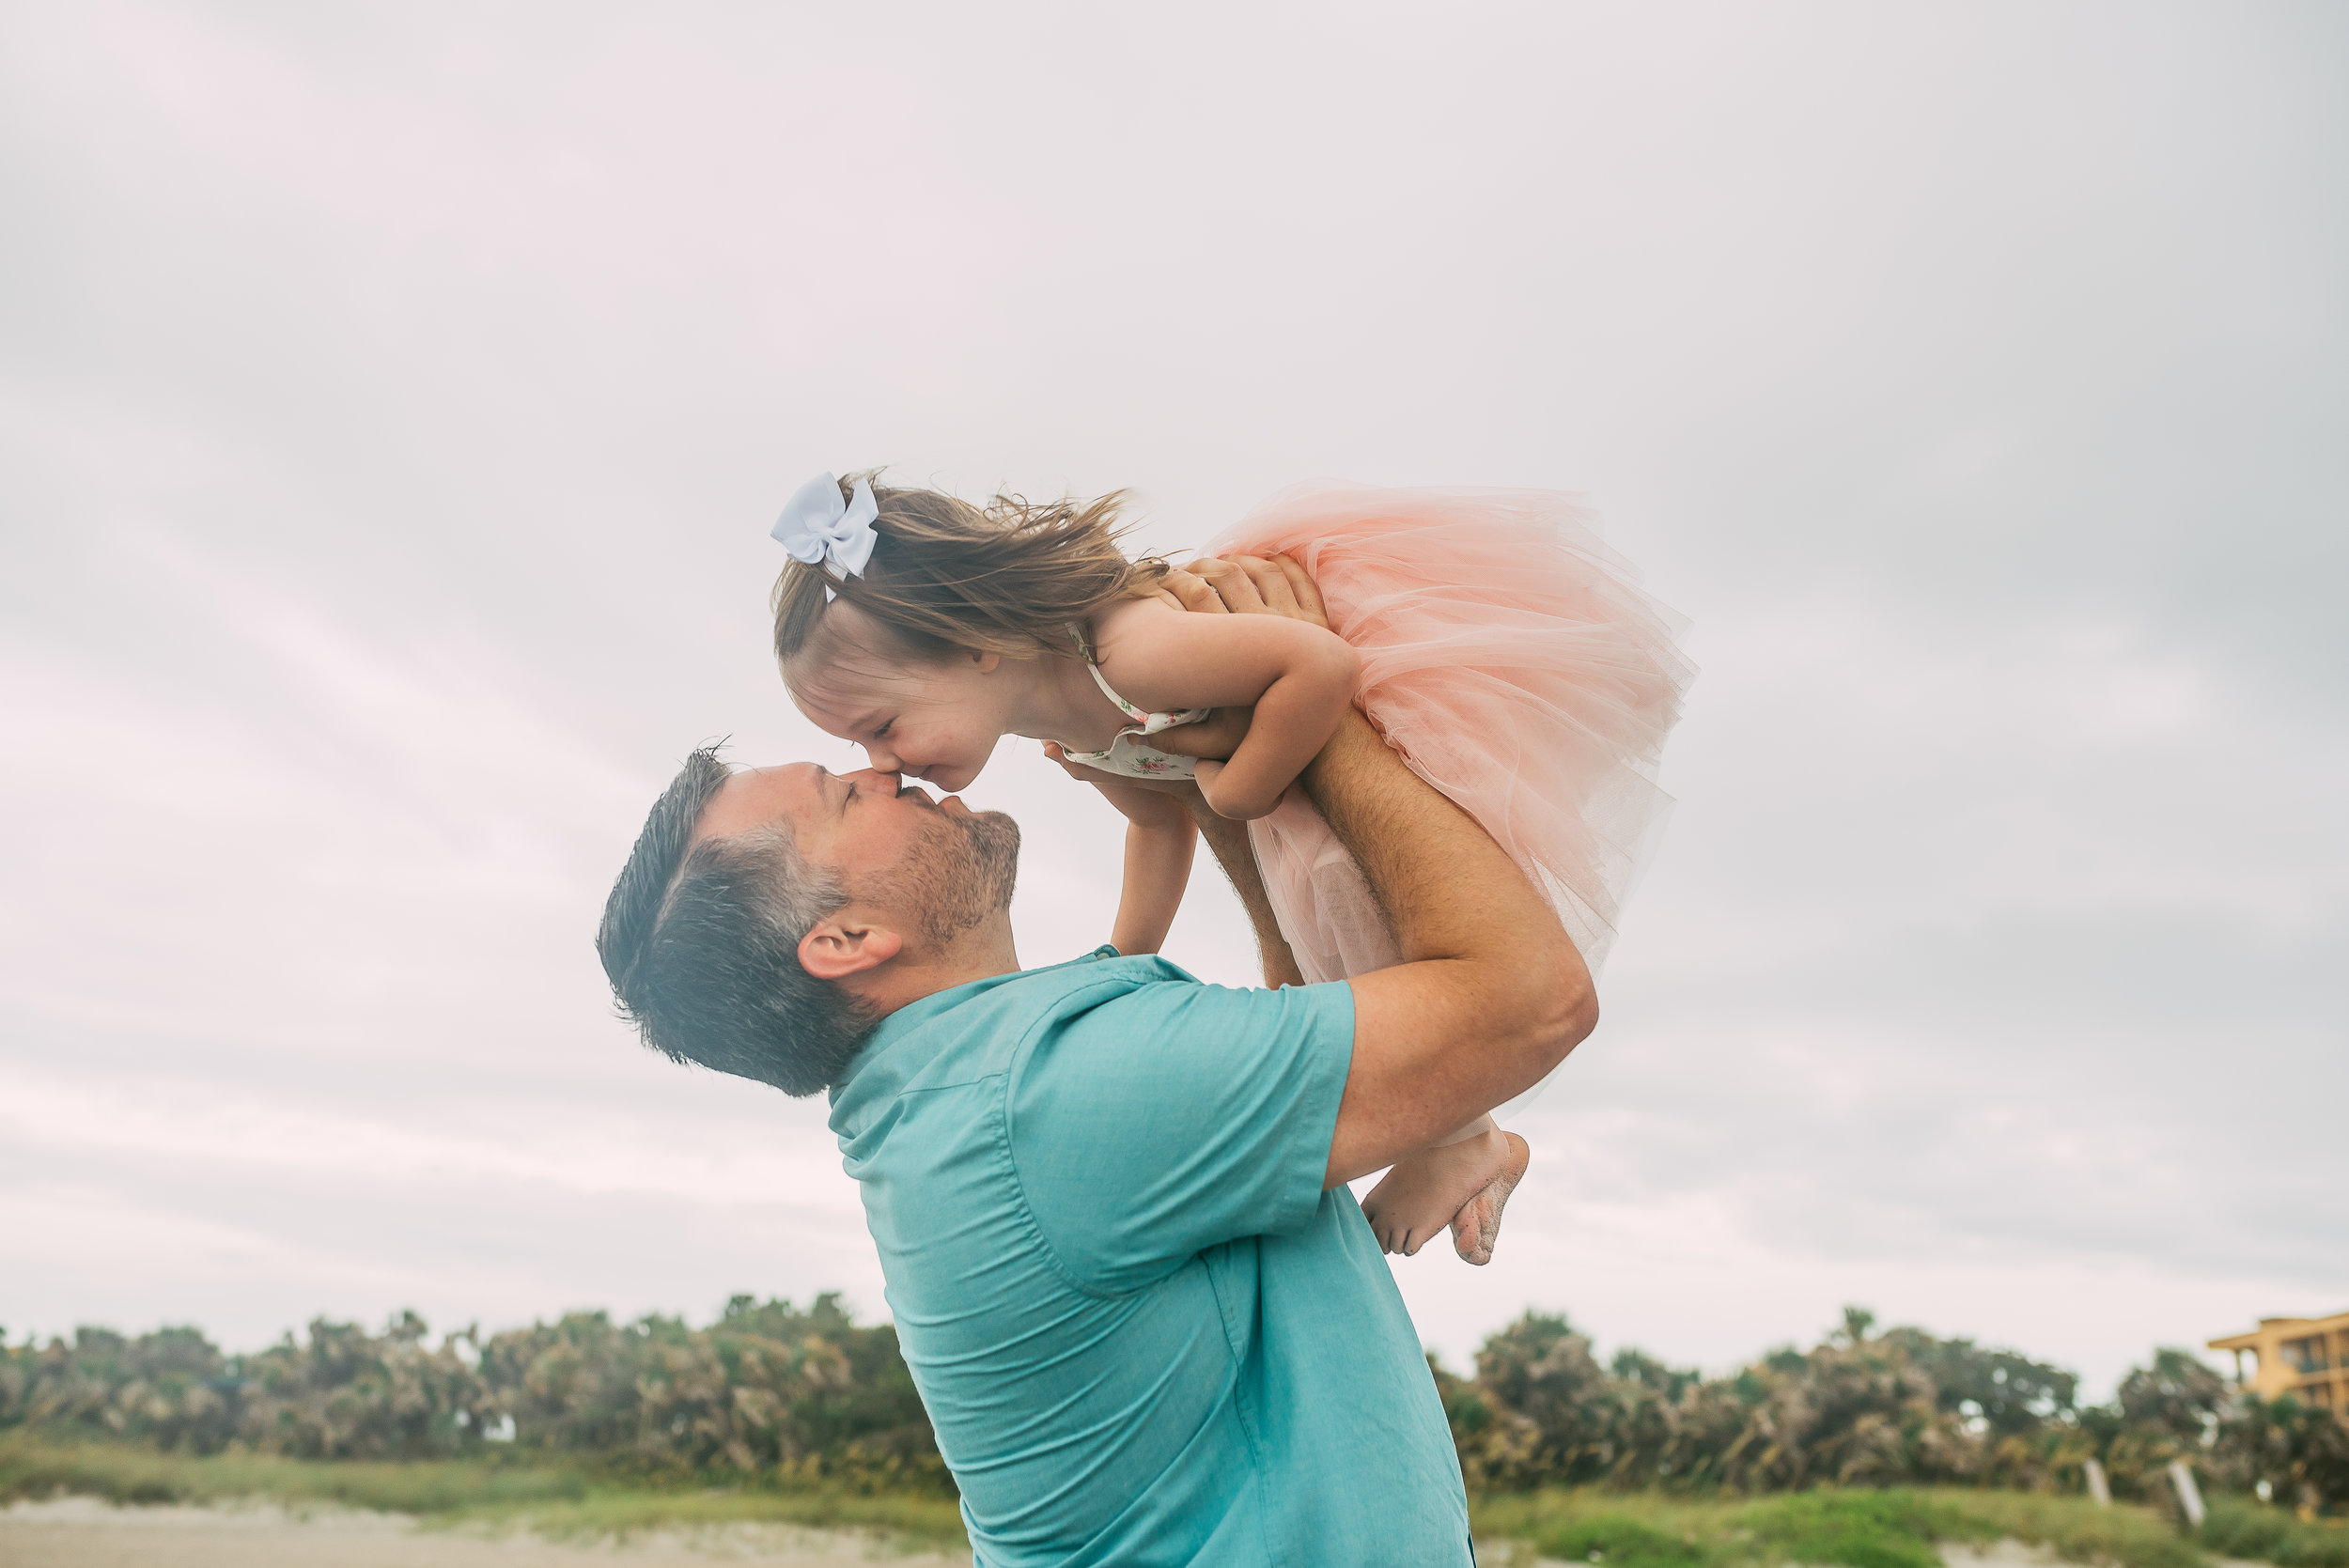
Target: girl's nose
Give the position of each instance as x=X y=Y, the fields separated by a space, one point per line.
x=883 y=758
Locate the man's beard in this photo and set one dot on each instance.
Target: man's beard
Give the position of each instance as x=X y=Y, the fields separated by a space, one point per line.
x=963 y=873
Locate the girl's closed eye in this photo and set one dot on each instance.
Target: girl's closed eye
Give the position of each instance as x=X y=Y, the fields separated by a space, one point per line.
x=882 y=732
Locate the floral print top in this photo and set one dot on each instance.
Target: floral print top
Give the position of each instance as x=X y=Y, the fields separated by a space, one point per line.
x=1127 y=755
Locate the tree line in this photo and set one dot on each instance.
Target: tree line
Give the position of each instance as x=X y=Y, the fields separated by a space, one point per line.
x=769 y=1392
x=1864 y=1408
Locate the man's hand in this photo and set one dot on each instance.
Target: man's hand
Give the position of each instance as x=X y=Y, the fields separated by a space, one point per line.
x=1242 y=585
x=1246 y=585
x=1145 y=803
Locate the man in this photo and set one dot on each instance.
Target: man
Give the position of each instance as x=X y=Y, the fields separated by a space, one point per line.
x=1148 y=1321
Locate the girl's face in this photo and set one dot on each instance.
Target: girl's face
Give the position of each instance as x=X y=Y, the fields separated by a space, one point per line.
x=937 y=720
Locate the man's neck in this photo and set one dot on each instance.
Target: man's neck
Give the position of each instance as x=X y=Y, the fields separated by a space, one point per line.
x=981 y=952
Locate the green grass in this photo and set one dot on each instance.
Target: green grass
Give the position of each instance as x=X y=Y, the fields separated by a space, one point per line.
x=918 y=1519
x=29 y=1469
x=552 y=1500
x=2238 y=1528
x=1897 y=1527
x=1900 y=1528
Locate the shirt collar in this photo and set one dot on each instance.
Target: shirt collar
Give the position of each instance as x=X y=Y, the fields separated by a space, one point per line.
x=914 y=1014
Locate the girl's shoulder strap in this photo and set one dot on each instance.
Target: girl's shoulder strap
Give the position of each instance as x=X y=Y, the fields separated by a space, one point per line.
x=1084 y=649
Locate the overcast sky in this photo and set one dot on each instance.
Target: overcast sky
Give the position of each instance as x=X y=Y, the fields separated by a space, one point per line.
x=394 y=400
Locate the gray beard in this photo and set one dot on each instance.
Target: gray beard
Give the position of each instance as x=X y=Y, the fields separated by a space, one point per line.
x=966 y=874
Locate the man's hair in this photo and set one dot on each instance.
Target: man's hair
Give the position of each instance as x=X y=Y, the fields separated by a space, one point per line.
x=701 y=942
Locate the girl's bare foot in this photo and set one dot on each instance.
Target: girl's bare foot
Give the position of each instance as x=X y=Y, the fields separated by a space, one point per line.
x=1477 y=1226
x=1417 y=1198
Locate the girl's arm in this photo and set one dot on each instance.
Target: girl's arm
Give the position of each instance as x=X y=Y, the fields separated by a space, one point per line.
x=1158 y=868
x=1159 y=837
x=1299 y=677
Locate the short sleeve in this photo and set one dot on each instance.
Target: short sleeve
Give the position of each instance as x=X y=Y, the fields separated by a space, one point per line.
x=1176 y=1116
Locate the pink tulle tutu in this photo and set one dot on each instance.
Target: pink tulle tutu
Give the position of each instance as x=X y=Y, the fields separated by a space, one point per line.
x=1513 y=661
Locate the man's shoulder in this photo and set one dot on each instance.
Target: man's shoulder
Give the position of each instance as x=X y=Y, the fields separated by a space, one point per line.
x=1147 y=1029
x=977 y=1031
x=1037 y=999
x=1122 y=1001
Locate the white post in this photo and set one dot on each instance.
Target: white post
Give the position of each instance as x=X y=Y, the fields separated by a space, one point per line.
x=2189 y=1496
x=2098 y=1487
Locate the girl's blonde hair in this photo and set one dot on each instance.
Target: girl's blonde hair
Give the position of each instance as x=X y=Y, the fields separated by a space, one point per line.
x=1010 y=577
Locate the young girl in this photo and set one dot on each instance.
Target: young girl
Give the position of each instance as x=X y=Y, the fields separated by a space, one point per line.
x=1496 y=644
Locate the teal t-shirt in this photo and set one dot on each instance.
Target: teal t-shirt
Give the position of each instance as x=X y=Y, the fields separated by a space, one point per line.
x=1144 y=1332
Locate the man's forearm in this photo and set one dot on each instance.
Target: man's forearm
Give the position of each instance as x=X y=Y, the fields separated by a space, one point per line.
x=1490 y=994
x=1228 y=839
x=1445 y=887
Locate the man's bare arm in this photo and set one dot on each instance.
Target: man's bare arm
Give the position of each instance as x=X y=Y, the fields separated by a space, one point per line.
x=1490 y=996
x=1228 y=839
x=1492 y=993
x=1140 y=800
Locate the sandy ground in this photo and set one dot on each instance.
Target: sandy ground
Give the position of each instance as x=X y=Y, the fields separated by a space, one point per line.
x=82 y=1533
x=2003 y=1554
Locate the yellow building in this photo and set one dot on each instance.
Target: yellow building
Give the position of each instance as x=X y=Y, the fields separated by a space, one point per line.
x=2305 y=1357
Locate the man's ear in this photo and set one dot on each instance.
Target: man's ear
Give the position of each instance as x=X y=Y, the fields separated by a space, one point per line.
x=836 y=949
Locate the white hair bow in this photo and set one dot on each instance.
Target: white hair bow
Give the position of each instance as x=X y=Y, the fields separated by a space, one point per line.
x=819 y=526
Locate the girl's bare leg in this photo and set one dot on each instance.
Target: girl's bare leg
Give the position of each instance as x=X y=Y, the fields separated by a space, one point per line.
x=1462 y=1183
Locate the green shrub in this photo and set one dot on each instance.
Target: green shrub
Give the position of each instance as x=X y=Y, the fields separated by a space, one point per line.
x=2075 y=1528
x=1858 y=1530
x=2239 y=1528
x=32 y=1468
